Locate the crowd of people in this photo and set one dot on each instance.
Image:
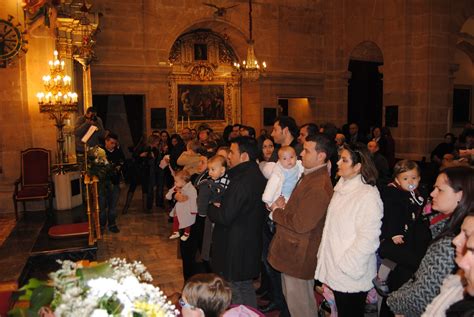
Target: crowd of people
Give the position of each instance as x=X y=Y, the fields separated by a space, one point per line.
x=311 y=206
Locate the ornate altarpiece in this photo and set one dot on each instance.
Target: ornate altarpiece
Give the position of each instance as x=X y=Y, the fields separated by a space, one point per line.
x=203 y=59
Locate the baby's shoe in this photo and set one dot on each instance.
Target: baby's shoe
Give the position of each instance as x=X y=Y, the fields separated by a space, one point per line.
x=185 y=237
x=175 y=235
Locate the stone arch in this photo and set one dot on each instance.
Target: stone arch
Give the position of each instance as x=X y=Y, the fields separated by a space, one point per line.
x=367 y=51
x=235 y=35
x=465 y=38
x=461 y=73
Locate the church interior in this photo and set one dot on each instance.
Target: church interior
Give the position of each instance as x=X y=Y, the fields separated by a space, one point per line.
x=404 y=64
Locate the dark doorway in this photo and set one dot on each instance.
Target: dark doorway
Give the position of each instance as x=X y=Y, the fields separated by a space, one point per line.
x=123 y=114
x=365 y=95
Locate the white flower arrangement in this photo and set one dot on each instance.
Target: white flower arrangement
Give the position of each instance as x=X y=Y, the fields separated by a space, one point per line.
x=112 y=288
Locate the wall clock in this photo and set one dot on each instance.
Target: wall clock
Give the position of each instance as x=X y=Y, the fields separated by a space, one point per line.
x=12 y=41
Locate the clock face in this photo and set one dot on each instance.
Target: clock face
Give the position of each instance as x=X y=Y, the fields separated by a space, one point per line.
x=10 y=40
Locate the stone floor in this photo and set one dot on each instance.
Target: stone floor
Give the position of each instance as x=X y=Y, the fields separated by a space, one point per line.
x=7 y=223
x=144 y=237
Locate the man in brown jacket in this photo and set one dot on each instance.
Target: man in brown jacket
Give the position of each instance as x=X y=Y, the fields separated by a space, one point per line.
x=300 y=222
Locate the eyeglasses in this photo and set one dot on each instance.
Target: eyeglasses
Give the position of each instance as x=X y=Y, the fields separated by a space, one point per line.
x=183 y=304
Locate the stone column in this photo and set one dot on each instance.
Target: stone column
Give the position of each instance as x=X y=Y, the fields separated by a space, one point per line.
x=251 y=105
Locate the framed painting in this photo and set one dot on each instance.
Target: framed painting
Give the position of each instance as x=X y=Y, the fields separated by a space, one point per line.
x=200 y=52
x=201 y=102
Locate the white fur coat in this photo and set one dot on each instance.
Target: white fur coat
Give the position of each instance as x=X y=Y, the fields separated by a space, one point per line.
x=346 y=256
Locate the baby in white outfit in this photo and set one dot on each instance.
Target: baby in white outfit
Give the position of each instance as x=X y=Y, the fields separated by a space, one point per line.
x=282 y=176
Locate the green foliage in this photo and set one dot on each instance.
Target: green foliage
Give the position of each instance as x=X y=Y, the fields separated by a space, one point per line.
x=27 y=289
x=112 y=305
x=92 y=272
x=42 y=296
x=38 y=294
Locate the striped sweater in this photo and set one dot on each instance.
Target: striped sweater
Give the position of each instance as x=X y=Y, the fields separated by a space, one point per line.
x=412 y=298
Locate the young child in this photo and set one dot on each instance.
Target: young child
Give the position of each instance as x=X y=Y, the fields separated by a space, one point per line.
x=282 y=176
x=405 y=230
x=184 y=212
x=402 y=201
x=212 y=192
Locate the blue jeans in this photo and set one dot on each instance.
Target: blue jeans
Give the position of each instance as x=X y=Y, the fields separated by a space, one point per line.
x=108 y=199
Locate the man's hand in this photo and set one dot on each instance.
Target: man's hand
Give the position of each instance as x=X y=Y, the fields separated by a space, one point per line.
x=279 y=203
x=218 y=205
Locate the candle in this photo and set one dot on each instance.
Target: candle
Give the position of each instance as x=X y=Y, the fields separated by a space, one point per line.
x=182 y=123
x=189 y=123
x=176 y=125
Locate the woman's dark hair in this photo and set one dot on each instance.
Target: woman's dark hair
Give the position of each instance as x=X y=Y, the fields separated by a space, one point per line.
x=460 y=178
x=261 y=140
x=360 y=154
x=166 y=132
x=226 y=133
x=376 y=127
x=178 y=139
x=168 y=139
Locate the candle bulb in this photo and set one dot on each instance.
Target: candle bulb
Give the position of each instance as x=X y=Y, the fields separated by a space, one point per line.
x=40 y=96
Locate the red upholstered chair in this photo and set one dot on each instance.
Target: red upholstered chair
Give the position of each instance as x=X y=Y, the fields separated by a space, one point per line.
x=35 y=180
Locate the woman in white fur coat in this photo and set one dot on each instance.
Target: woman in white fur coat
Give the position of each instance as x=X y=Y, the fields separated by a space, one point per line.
x=346 y=256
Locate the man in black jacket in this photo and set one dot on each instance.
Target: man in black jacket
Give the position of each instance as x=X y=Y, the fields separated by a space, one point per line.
x=109 y=192
x=237 y=236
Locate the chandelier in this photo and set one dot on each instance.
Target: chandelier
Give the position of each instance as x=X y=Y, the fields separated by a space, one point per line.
x=250 y=68
x=58 y=100
x=57 y=95
x=84 y=50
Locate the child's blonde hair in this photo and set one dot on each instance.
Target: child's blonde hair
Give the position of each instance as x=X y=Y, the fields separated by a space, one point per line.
x=184 y=175
x=208 y=292
x=217 y=159
x=405 y=166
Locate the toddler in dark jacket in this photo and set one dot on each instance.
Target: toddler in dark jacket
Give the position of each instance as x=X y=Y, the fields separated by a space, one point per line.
x=405 y=231
x=211 y=192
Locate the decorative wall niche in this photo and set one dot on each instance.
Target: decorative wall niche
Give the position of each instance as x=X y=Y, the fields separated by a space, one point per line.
x=203 y=84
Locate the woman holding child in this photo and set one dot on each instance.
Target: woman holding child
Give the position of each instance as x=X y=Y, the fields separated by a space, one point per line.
x=453 y=199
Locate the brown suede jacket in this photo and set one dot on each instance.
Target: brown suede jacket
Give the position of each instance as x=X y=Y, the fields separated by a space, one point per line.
x=294 y=247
